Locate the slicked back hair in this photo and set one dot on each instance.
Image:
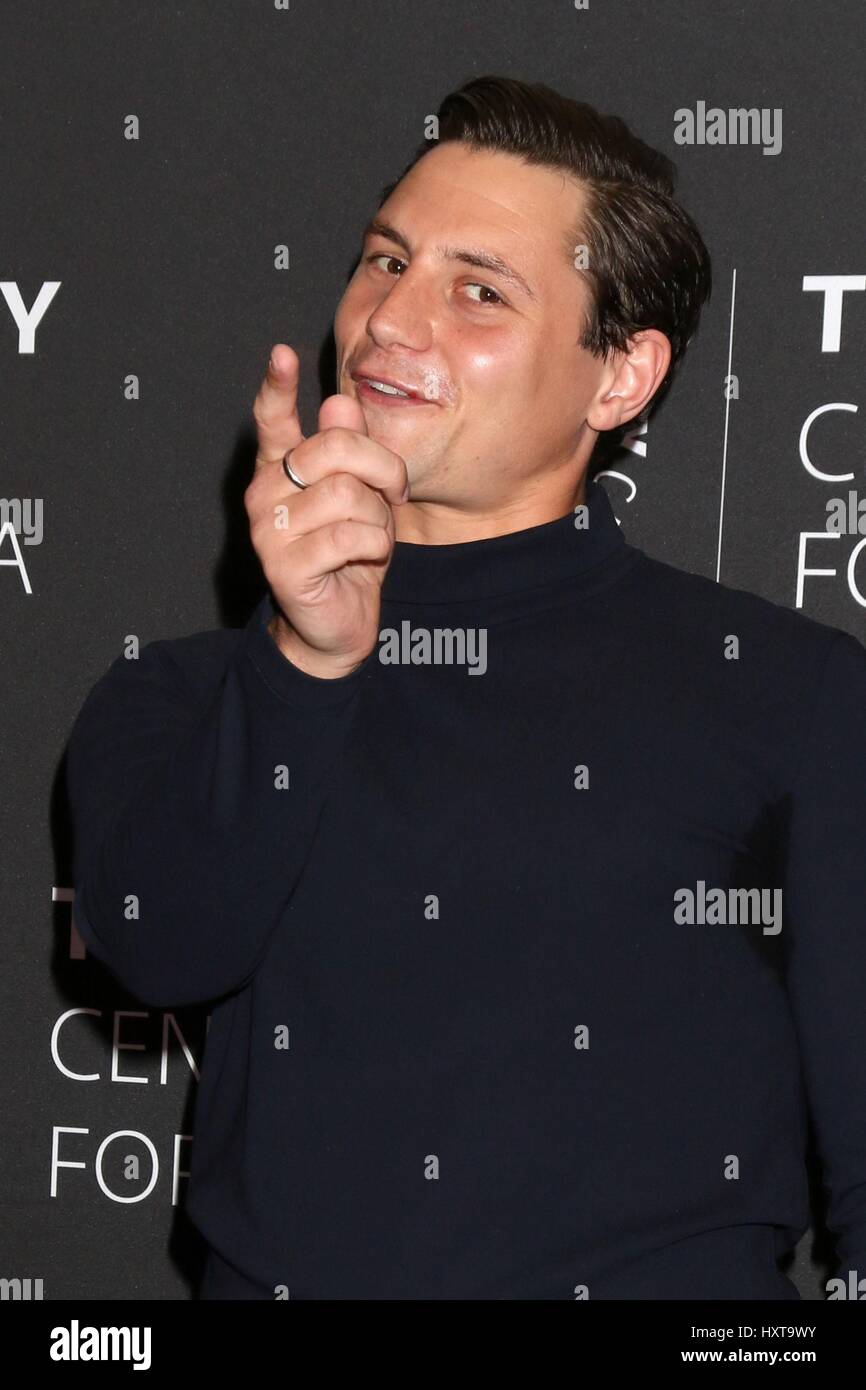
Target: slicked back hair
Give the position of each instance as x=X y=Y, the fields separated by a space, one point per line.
x=646 y=262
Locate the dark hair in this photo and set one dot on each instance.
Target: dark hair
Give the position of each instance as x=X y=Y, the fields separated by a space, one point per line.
x=648 y=266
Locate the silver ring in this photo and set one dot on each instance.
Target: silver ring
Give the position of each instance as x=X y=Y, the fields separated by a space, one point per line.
x=290 y=474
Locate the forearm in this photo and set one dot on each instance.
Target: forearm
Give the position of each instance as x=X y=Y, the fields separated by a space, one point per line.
x=192 y=825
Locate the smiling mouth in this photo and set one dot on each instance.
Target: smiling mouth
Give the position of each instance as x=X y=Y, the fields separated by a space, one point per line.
x=384 y=395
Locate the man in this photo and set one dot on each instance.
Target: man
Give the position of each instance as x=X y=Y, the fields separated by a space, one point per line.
x=524 y=872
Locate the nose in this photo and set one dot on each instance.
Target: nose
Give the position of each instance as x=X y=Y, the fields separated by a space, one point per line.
x=404 y=317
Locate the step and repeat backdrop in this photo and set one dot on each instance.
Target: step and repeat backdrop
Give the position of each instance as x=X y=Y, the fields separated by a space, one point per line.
x=182 y=187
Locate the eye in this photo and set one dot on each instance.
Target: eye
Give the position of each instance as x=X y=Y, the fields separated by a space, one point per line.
x=384 y=256
x=487 y=290
x=482 y=303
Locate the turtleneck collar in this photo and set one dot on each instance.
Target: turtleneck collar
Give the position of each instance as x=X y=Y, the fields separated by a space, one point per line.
x=536 y=557
x=486 y=582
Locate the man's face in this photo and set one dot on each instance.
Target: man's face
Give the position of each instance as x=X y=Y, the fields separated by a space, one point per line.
x=506 y=385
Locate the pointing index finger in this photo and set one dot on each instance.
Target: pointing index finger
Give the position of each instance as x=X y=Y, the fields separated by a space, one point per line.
x=275 y=409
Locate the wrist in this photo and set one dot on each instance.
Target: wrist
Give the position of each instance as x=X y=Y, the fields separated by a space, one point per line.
x=304 y=657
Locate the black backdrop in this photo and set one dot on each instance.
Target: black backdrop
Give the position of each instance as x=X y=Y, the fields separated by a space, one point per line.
x=126 y=441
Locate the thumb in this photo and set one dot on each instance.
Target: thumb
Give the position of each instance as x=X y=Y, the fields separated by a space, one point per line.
x=344 y=412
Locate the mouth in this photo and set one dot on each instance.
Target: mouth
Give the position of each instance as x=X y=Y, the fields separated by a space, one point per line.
x=383 y=391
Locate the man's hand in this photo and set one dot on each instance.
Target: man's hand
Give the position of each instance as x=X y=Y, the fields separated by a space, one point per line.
x=325 y=566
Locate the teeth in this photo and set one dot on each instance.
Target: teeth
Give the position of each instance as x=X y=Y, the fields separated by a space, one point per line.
x=389 y=390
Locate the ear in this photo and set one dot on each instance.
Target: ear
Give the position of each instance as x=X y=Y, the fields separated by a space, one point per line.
x=631 y=380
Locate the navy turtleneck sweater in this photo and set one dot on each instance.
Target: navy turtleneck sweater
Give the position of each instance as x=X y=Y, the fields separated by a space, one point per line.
x=489 y=1019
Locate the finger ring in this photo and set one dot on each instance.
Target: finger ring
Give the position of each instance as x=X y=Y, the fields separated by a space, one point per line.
x=290 y=474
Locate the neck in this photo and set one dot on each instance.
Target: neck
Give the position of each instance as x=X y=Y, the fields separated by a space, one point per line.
x=438 y=523
x=496 y=577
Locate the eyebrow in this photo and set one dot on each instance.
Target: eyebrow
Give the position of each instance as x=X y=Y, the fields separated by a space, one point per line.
x=485 y=260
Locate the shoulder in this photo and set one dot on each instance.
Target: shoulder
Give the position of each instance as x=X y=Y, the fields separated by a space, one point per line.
x=690 y=607
x=174 y=671
x=191 y=666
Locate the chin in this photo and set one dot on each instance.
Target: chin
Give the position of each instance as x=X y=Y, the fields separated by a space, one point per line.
x=392 y=430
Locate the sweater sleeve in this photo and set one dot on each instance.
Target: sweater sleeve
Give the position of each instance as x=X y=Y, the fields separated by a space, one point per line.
x=824 y=896
x=193 y=813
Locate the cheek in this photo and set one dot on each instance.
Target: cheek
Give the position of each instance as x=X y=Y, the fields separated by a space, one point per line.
x=492 y=364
